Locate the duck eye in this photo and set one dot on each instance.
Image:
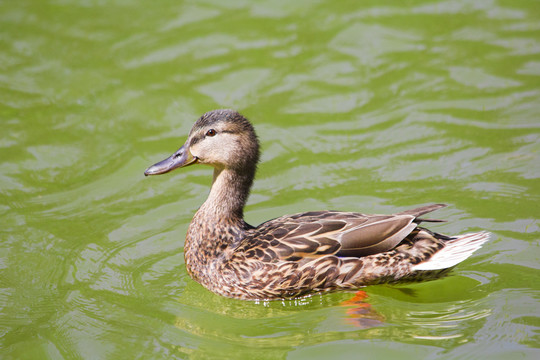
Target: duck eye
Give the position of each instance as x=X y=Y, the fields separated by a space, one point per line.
x=211 y=132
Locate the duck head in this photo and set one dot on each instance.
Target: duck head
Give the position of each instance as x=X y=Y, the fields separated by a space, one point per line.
x=223 y=139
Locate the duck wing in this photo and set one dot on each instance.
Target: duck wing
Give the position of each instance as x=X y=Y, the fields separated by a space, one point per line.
x=344 y=234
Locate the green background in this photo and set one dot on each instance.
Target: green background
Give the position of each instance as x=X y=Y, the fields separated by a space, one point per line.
x=372 y=106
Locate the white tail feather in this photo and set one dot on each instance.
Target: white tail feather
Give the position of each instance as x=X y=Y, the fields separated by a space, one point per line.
x=455 y=251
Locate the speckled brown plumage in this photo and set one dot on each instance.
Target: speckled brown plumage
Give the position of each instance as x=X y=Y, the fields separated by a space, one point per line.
x=295 y=255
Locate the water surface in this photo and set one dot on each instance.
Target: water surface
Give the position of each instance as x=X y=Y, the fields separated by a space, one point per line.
x=373 y=107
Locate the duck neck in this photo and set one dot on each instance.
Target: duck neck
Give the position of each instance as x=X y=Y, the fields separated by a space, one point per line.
x=228 y=196
x=218 y=223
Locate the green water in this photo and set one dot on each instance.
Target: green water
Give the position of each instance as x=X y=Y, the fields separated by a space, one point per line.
x=371 y=106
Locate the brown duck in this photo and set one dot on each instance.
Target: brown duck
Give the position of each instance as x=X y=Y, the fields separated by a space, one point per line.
x=295 y=255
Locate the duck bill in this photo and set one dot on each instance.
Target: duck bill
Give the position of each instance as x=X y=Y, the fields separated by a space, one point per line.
x=179 y=159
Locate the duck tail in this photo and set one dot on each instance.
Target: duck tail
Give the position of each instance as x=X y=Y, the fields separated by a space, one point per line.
x=454 y=251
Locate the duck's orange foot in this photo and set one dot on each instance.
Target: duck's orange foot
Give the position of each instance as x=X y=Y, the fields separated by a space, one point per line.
x=358 y=298
x=361 y=314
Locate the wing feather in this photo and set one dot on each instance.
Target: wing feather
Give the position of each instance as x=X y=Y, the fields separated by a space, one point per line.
x=376 y=237
x=344 y=234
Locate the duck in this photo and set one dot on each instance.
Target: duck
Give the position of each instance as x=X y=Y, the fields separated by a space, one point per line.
x=297 y=255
